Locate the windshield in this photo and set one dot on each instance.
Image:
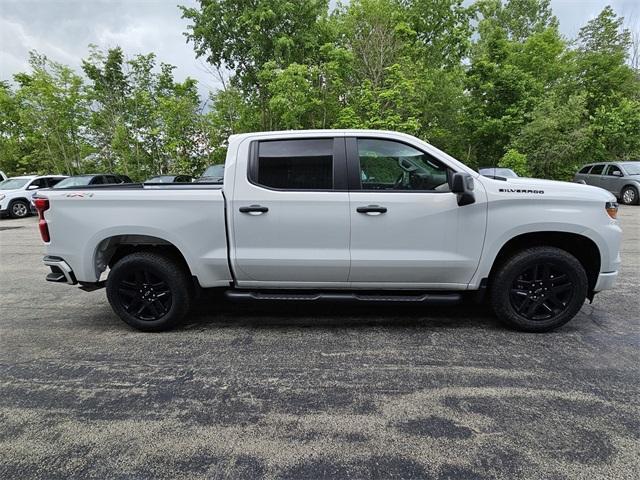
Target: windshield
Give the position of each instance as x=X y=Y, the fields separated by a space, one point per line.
x=162 y=179
x=74 y=181
x=630 y=168
x=214 y=171
x=498 y=172
x=13 y=183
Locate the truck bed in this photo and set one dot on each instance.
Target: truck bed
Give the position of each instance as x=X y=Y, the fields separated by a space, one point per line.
x=84 y=221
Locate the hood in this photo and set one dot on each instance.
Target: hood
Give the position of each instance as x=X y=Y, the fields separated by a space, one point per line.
x=553 y=188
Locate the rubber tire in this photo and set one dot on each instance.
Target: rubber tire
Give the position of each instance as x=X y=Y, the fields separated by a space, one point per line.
x=13 y=215
x=171 y=271
x=502 y=280
x=636 y=197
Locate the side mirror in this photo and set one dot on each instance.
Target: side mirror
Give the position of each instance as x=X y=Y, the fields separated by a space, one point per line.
x=33 y=187
x=462 y=185
x=616 y=173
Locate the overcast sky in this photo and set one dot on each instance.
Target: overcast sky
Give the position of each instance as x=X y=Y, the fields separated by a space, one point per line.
x=62 y=29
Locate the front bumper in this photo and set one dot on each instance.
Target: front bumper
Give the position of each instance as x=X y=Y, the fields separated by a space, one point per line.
x=61 y=272
x=605 y=281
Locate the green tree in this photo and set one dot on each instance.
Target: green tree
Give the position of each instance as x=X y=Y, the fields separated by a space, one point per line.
x=516 y=161
x=53 y=111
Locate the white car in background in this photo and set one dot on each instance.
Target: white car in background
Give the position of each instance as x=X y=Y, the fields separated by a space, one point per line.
x=16 y=193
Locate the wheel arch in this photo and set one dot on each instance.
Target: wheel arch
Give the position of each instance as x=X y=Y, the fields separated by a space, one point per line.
x=627 y=185
x=580 y=246
x=19 y=199
x=13 y=201
x=111 y=249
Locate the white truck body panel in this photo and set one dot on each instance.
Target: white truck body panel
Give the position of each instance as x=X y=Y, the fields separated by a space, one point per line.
x=314 y=239
x=192 y=220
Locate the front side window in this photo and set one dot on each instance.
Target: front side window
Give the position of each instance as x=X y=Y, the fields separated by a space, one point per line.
x=294 y=164
x=597 y=169
x=390 y=165
x=38 y=183
x=612 y=169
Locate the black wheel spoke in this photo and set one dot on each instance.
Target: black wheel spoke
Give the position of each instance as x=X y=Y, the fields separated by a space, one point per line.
x=145 y=295
x=561 y=288
x=541 y=291
x=127 y=292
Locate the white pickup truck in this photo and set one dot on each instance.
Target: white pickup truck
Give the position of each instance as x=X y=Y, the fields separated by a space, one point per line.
x=335 y=215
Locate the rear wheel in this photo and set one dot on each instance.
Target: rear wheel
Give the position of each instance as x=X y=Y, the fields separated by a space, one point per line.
x=629 y=196
x=149 y=291
x=19 y=209
x=539 y=289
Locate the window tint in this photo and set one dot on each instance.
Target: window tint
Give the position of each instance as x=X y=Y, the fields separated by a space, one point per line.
x=295 y=164
x=597 y=169
x=585 y=169
x=97 y=180
x=54 y=181
x=613 y=168
x=38 y=182
x=389 y=165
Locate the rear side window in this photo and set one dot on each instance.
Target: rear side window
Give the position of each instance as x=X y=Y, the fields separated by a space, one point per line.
x=585 y=169
x=54 y=181
x=597 y=169
x=294 y=164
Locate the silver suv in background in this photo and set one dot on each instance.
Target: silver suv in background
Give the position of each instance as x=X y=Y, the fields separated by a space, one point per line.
x=620 y=178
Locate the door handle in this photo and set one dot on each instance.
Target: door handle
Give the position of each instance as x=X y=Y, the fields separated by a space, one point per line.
x=254 y=210
x=372 y=209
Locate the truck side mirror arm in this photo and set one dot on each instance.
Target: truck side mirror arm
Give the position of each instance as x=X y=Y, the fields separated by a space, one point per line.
x=462 y=185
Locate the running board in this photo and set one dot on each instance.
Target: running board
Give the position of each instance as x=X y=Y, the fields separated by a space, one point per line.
x=298 y=296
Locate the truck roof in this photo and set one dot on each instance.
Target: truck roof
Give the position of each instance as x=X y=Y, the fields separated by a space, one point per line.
x=318 y=132
x=344 y=132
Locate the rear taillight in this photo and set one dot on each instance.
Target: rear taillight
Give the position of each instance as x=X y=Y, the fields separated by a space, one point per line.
x=42 y=204
x=612 y=209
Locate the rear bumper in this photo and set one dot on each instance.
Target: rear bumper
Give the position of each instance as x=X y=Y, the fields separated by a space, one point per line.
x=61 y=272
x=605 y=281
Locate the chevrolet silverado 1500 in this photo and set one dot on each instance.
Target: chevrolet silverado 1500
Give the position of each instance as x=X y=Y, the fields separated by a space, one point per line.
x=334 y=215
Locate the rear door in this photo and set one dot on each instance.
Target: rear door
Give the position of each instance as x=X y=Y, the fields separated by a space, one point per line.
x=407 y=229
x=290 y=210
x=595 y=176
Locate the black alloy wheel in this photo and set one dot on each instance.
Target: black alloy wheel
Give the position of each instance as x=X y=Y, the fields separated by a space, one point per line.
x=538 y=289
x=145 y=295
x=542 y=291
x=150 y=290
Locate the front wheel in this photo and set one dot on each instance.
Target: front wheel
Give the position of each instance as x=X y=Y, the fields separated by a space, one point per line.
x=629 y=196
x=149 y=291
x=539 y=289
x=19 y=209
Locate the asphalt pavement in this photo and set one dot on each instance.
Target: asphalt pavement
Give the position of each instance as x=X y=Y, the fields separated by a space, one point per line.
x=312 y=391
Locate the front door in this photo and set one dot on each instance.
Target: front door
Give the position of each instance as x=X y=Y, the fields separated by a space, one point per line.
x=290 y=213
x=407 y=229
x=611 y=179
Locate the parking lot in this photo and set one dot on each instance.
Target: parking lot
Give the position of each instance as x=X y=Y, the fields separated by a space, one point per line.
x=310 y=392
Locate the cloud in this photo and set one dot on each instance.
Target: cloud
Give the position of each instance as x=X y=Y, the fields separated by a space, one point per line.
x=62 y=30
